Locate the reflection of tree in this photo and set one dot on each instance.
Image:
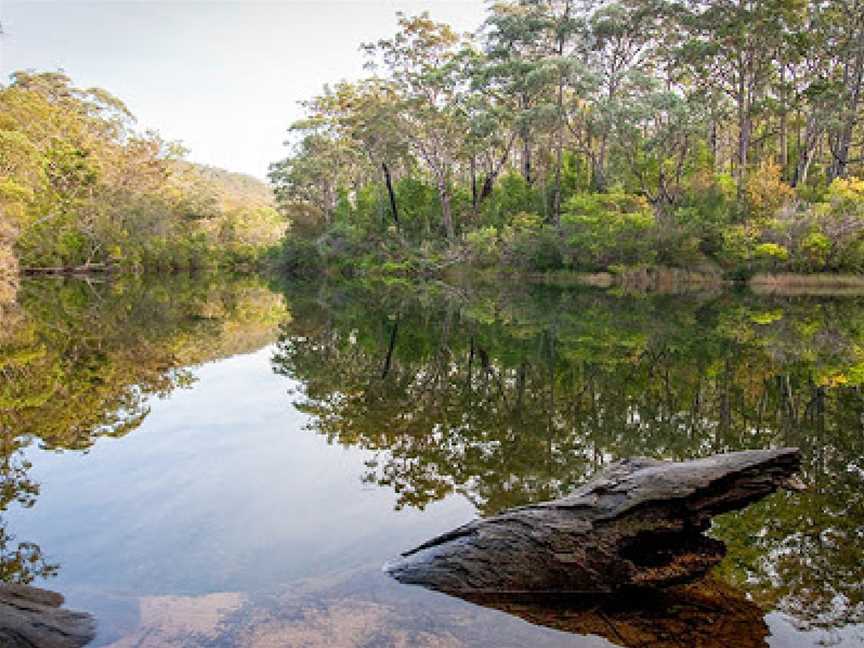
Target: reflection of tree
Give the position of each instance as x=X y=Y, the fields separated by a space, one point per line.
x=80 y=361
x=22 y=562
x=513 y=398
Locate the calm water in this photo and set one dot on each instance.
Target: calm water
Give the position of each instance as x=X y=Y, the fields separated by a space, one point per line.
x=215 y=462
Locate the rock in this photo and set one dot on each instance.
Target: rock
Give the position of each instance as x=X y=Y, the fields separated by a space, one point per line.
x=32 y=618
x=638 y=523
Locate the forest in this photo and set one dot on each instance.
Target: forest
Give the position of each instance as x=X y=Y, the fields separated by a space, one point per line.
x=718 y=136
x=81 y=188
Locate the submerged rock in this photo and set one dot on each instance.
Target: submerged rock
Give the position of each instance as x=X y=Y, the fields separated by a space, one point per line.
x=30 y=617
x=638 y=523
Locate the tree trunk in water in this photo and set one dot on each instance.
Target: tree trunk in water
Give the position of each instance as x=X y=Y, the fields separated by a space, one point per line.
x=394 y=210
x=638 y=523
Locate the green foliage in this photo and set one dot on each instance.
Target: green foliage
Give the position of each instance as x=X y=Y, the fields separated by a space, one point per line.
x=536 y=388
x=82 y=187
x=418 y=206
x=482 y=246
x=531 y=245
x=512 y=195
x=715 y=115
x=608 y=229
x=299 y=256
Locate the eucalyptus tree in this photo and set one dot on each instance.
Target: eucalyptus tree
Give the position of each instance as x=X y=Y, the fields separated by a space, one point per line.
x=491 y=122
x=422 y=62
x=359 y=117
x=845 y=19
x=618 y=47
x=517 y=68
x=310 y=178
x=732 y=46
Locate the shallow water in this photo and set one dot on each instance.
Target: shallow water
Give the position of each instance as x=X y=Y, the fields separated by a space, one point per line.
x=215 y=462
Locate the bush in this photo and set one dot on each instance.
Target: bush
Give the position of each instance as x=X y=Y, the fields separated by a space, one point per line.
x=343 y=240
x=299 y=257
x=766 y=193
x=418 y=207
x=527 y=243
x=771 y=253
x=512 y=196
x=482 y=246
x=609 y=229
x=815 y=249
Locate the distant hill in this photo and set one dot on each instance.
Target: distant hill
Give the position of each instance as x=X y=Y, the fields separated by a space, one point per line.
x=237 y=189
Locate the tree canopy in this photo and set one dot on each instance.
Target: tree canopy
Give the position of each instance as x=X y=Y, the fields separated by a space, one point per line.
x=736 y=122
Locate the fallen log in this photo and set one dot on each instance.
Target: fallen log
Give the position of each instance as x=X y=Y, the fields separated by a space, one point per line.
x=30 y=617
x=638 y=523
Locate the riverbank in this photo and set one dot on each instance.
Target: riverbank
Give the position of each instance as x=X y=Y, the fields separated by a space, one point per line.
x=307 y=258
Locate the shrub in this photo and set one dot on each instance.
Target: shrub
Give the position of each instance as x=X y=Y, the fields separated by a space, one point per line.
x=527 y=243
x=771 y=253
x=299 y=256
x=482 y=246
x=609 y=229
x=766 y=193
x=418 y=207
x=815 y=248
x=343 y=240
x=738 y=245
x=512 y=196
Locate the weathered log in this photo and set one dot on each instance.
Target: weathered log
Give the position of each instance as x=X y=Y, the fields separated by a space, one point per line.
x=32 y=617
x=638 y=523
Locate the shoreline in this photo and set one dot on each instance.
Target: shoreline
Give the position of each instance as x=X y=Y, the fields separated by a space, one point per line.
x=658 y=280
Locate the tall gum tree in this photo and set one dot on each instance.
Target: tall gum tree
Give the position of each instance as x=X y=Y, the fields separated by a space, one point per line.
x=733 y=45
x=422 y=63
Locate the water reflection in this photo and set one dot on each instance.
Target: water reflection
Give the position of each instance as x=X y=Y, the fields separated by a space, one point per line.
x=707 y=614
x=503 y=396
x=80 y=361
x=514 y=396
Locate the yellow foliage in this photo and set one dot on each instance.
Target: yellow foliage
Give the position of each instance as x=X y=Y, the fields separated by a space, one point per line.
x=8 y=263
x=766 y=192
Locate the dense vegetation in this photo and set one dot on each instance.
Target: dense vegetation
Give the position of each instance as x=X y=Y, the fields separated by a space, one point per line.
x=513 y=395
x=591 y=136
x=80 y=187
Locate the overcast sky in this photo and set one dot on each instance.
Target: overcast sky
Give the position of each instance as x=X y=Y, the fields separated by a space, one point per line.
x=223 y=77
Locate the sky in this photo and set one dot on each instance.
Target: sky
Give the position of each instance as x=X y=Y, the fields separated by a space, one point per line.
x=223 y=77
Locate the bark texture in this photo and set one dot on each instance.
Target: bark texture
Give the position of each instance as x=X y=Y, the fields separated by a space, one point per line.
x=638 y=523
x=31 y=617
